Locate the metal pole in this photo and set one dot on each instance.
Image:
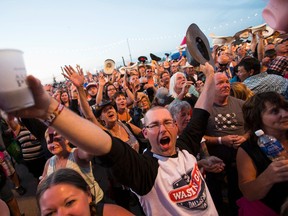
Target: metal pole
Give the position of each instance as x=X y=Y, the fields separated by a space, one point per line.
x=129 y=50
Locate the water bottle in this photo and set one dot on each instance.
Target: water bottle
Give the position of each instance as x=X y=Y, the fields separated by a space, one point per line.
x=270 y=146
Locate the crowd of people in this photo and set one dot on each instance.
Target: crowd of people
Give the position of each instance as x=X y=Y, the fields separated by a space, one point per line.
x=159 y=137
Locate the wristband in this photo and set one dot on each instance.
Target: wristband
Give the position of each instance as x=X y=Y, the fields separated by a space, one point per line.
x=51 y=118
x=220 y=140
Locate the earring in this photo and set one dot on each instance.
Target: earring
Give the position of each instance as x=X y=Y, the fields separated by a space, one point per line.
x=103 y=122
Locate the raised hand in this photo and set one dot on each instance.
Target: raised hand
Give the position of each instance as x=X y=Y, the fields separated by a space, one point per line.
x=75 y=76
x=89 y=75
x=207 y=69
x=186 y=87
x=102 y=81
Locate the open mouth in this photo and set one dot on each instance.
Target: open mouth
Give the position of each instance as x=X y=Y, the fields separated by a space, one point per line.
x=164 y=141
x=110 y=114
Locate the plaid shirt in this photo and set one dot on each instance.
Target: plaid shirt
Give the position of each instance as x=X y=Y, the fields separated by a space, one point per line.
x=265 y=82
x=279 y=65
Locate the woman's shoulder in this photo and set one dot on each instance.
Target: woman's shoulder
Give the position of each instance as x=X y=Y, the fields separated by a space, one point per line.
x=258 y=157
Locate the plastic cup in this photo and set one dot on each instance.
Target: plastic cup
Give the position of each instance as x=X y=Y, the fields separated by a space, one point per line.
x=14 y=92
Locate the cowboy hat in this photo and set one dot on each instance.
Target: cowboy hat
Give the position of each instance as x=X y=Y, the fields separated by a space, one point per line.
x=187 y=65
x=221 y=40
x=101 y=106
x=242 y=34
x=154 y=57
x=261 y=27
x=198 y=49
x=142 y=59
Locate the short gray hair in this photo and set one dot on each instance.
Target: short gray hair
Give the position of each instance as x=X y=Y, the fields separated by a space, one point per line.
x=177 y=106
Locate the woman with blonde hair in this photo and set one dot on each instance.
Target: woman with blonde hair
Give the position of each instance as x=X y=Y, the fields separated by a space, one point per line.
x=64 y=156
x=240 y=91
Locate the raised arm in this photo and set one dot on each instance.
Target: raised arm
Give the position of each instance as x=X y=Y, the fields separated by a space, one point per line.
x=206 y=98
x=79 y=131
x=130 y=95
x=77 y=78
x=99 y=95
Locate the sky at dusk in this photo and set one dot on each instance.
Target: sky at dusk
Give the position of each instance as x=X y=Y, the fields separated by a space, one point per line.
x=56 y=33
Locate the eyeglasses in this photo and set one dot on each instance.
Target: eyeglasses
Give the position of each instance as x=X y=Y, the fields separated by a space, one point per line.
x=156 y=126
x=111 y=89
x=148 y=70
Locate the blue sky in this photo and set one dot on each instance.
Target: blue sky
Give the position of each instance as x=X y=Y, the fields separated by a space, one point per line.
x=61 y=32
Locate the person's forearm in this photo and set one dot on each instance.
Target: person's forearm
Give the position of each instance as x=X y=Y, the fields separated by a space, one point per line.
x=130 y=95
x=85 y=107
x=99 y=95
x=206 y=98
x=260 y=48
x=257 y=189
x=82 y=133
x=210 y=140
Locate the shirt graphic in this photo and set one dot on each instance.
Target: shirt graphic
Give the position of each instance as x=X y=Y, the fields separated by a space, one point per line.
x=225 y=121
x=189 y=191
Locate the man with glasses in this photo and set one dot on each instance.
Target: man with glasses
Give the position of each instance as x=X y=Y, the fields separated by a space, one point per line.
x=166 y=178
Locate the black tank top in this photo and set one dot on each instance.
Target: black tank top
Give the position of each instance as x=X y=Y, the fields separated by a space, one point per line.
x=279 y=192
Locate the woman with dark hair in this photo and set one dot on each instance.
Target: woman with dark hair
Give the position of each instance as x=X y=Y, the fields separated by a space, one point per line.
x=264 y=183
x=109 y=91
x=65 y=192
x=65 y=98
x=121 y=107
x=71 y=103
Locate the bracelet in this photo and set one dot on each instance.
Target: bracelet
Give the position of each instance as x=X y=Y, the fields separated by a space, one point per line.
x=49 y=121
x=220 y=140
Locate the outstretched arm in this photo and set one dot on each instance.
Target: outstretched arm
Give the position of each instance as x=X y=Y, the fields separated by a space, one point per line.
x=76 y=129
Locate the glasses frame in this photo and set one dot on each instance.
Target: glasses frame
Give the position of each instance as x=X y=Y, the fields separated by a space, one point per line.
x=156 y=126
